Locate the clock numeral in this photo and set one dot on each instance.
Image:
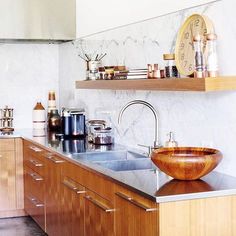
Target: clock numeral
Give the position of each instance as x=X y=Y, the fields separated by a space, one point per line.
x=182 y=56
x=186 y=36
x=190 y=68
x=205 y=31
x=197 y=21
x=181 y=46
x=185 y=63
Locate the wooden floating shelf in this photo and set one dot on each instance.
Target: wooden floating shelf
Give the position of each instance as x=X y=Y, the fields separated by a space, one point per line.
x=172 y=84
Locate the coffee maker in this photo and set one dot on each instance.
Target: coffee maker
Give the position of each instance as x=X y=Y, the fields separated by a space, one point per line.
x=73 y=122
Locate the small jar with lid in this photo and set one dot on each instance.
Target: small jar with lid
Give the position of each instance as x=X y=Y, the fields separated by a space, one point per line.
x=92 y=124
x=170 y=67
x=103 y=136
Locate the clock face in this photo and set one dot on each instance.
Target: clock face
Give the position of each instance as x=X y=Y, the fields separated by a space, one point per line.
x=184 y=50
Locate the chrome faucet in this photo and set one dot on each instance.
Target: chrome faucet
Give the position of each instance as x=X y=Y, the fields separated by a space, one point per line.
x=156 y=128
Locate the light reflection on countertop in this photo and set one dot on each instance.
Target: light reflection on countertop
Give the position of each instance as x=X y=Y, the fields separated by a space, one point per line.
x=151 y=183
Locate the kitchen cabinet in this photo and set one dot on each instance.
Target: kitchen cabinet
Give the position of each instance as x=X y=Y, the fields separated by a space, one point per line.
x=11 y=178
x=34 y=183
x=180 y=84
x=99 y=215
x=54 y=166
x=135 y=215
x=72 y=208
x=38 y=19
x=102 y=15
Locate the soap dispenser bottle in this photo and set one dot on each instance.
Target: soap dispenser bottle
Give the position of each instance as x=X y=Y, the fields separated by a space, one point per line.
x=171 y=142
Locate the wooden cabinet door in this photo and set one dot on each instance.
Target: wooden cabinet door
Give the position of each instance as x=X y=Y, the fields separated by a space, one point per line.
x=134 y=215
x=7 y=181
x=99 y=216
x=53 y=193
x=72 y=208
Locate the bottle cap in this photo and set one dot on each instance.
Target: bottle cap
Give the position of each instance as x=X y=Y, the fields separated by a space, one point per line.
x=169 y=56
x=51 y=95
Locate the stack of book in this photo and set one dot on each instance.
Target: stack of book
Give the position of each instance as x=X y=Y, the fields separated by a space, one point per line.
x=132 y=74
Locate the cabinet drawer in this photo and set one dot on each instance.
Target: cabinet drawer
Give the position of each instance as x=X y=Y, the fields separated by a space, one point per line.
x=34 y=184
x=7 y=144
x=35 y=164
x=36 y=209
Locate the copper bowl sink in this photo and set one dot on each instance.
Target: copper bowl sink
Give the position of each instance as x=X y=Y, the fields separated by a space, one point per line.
x=186 y=163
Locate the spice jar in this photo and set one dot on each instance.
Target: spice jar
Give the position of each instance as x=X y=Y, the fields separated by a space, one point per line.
x=103 y=136
x=170 y=67
x=92 y=124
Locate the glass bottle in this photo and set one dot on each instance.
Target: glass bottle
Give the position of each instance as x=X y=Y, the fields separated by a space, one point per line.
x=170 y=68
x=54 y=121
x=212 y=62
x=198 y=59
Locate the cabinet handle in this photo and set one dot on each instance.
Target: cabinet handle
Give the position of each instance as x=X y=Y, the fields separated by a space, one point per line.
x=55 y=160
x=134 y=202
x=35 y=163
x=73 y=187
x=35 y=176
x=35 y=202
x=35 y=149
x=98 y=204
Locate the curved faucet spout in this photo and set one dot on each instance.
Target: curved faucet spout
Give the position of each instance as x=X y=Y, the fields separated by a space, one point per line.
x=141 y=102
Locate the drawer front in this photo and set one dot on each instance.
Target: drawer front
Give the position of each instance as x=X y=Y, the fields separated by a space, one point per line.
x=7 y=144
x=36 y=210
x=34 y=184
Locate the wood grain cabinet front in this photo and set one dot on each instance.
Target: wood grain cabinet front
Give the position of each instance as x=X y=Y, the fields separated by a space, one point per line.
x=54 y=165
x=72 y=207
x=134 y=215
x=11 y=178
x=99 y=215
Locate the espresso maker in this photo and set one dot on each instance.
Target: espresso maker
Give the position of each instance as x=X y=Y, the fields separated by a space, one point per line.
x=73 y=122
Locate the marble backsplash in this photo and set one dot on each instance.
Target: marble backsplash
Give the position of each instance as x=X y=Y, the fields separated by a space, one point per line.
x=27 y=72
x=196 y=118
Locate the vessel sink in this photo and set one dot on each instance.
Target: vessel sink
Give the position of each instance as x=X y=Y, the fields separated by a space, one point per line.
x=127 y=165
x=110 y=155
x=186 y=163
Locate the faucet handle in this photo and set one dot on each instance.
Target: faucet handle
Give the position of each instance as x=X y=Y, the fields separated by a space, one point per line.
x=146 y=146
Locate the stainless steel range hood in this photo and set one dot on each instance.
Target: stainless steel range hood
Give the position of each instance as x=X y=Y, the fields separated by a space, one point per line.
x=40 y=20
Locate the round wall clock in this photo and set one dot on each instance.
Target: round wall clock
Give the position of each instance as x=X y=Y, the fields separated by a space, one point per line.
x=184 y=50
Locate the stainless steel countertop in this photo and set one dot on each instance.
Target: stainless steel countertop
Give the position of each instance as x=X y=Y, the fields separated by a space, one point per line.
x=152 y=184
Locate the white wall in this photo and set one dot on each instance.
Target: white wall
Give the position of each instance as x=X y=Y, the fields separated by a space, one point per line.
x=27 y=73
x=197 y=119
x=98 y=16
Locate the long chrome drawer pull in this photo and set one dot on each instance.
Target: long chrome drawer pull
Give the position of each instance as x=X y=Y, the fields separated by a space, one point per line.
x=73 y=188
x=98 y=204
x=35 y=163
x=35 y=149
x=134 y=202
x=35 y=202
x=55 y=160
x=36 y=177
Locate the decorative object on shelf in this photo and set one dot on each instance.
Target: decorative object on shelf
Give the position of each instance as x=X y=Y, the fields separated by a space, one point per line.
x=6 y=119
x=39 y=116
x=92 y=65
x=199 y=62
x=186 y=163
x=51 y=101
x=170 y=67
x=184 y=49
x=171 y=142
x=211 y=62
